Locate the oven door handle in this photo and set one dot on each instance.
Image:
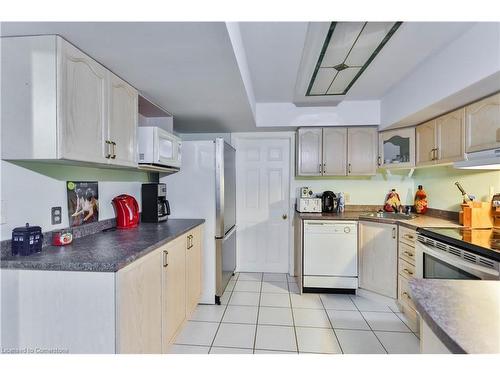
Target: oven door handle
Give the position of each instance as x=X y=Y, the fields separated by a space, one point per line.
x=481 y=272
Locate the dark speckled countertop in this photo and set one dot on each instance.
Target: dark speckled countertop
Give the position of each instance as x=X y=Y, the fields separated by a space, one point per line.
x=464 y=314
x=104 y=251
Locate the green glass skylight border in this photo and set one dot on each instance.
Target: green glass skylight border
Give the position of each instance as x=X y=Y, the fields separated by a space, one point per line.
x=363 y=68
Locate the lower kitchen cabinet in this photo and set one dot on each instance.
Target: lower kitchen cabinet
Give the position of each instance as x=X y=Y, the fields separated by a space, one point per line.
x=378 y=255
x=193 y=268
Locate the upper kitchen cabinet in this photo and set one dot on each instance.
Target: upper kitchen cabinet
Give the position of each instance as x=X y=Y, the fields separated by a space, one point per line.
x=60 y=104
x=336 y=151
x=441 y=141
x=362 y=151
x=482 y=124
x=397 y=148
x=309 y=156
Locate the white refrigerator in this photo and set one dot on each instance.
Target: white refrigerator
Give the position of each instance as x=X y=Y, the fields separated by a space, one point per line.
x=205 y=188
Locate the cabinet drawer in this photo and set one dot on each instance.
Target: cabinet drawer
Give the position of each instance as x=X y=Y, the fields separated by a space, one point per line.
x=407 y=236
x=407 y=252
x=406 y=269
x=404 y=292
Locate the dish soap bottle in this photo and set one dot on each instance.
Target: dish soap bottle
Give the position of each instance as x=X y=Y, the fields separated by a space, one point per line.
x=392 y=202
x=420 y=200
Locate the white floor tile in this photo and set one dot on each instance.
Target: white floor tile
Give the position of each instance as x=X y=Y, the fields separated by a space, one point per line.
x=230 y=286
x=338 y=302
x=347 y=319
x=262 y=351
x=293 y=288
x=365 y=304
x=224 y=299
x=275 y=337
x=235 y=335
x=410 y=323
x=317 y=340
x=306 y=301
x=275 y=277
x=244 y=299
x=188 y=349
x=247 y=286
x=197 y=333
x=310 y=318
x=381 y=321
x=275 y=287
x=280 y=316
x=241 y=314
x=218 y=350
x=208 y=313
x=399 y=342
x=275 y=300
x=250 y=276
x=359 y=342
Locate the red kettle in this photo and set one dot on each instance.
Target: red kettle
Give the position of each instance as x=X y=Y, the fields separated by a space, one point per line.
x=127 y=211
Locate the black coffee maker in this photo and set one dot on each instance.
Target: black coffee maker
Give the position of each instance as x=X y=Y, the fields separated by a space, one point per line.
x=329 y=202
x=155 y=207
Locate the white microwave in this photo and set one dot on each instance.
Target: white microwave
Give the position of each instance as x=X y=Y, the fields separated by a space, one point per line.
x=158 y=148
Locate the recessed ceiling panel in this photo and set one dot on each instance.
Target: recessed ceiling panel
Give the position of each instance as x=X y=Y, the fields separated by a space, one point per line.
x=348 y=49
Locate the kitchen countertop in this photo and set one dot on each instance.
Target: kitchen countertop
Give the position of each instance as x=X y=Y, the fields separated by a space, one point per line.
x=107 y=251
x=419 y=222
x=463 y=314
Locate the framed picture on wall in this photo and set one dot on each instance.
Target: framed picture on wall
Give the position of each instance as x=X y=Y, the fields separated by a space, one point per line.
x=83 y=202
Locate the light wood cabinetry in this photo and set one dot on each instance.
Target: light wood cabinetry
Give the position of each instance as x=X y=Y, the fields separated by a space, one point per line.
x=397 y=148
x=426 y=143
x=378 y=247
x=138 y=304
x=194 y=268
x=482 y=124
x=60 y=104
x=336 y=151
x=362 y=151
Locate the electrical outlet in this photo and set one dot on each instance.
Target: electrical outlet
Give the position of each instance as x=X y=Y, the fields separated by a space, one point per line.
x=347 y=197
x=56 y=215
x=3 y=212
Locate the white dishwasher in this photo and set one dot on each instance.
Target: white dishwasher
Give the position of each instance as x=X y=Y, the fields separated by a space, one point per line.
x=330 y=254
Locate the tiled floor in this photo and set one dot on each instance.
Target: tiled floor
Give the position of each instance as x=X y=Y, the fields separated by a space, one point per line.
x=263 y=313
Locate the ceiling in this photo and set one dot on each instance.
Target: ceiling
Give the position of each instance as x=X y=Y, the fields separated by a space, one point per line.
x=190 y=68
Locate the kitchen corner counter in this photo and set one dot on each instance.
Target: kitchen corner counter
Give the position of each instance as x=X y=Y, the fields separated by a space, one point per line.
x=421 y=221
x=106 y=251
x=463 y=314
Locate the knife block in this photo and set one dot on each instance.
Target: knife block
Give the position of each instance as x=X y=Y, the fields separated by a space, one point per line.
x=476 y=215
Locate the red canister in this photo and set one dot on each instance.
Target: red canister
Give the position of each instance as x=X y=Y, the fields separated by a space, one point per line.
x=62 y=237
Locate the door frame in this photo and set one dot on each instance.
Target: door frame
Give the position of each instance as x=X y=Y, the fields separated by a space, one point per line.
x=290 y=136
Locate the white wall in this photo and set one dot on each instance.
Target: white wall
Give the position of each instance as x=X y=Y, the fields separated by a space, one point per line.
x=346 y=113
x=471 y=58
x=205 y=136
x=28 y=195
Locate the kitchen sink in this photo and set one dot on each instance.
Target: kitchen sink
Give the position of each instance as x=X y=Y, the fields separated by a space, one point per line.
x=390 y=215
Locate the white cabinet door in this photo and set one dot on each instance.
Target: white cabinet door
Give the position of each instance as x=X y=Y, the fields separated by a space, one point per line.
x=82 y=96
x=362 y=151
x=450 y=145
x=122 y=125
x=309 y=158
x=378 y=266
x=334 y=151
x=482 y=124
x=397 y=148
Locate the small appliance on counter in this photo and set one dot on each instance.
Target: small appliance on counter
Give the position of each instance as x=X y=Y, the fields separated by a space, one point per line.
x=309 y=205
x=62 y=237
x=155 y=206
x=329 y=202
x=127 y=211
x=26 y=240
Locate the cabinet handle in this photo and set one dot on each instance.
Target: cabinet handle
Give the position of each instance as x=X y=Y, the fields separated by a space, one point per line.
x=394 y=233
x=320 y=171
x=379 y=161
x=408 y=271
x=436 y=153
x=324 y=167
x=406 y=295
x=408 y=254
x=190 y=241
x=113 y=146
x=349 y=170
x=165 y=258
x=408 y=236
x=108 y=154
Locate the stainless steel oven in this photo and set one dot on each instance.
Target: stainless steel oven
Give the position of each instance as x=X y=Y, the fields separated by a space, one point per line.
x=439 y=260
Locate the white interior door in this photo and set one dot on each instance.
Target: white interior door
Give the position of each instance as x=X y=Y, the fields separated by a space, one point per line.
x=262 y=191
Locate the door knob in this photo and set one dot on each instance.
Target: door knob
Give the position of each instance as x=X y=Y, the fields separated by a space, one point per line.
x=284 y=216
